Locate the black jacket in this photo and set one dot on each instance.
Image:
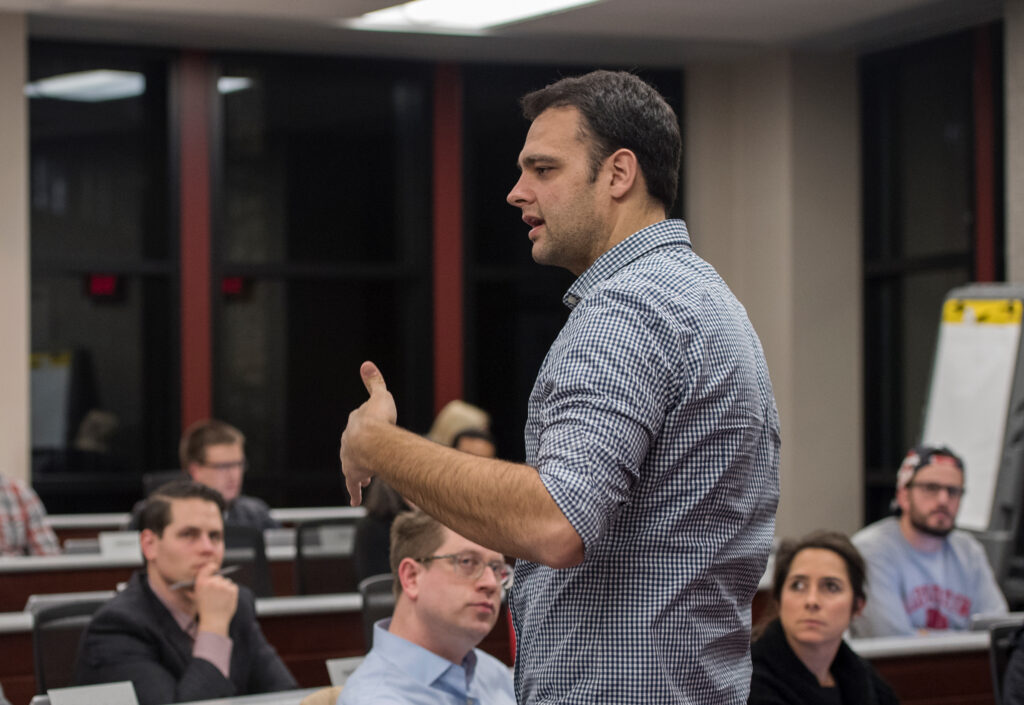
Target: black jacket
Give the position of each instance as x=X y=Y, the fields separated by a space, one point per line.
x=781 y=678
x=133 y=637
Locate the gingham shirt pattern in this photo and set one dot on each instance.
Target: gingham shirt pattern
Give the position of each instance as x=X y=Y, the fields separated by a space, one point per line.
x=653 y=426
x=22 y=529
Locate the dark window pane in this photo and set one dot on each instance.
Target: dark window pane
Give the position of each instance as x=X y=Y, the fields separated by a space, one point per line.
x=316 y=156
x=98 y=165
x=326 y=220
x=104 y=293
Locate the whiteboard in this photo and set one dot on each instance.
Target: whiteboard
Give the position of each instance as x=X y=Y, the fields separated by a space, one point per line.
x=968 y=403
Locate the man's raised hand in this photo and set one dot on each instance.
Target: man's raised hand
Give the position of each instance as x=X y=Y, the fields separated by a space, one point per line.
x=380 y=407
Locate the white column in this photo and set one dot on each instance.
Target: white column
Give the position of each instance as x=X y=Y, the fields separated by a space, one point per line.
x=773 y=201
x=15 y=441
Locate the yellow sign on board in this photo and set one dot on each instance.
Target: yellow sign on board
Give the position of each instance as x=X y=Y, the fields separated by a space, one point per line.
x=991 y=311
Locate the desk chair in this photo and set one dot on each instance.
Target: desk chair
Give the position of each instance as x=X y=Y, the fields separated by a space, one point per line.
x=56 y=632
x=1002 y=640
x=158 y=478
x=378 y=602
x=323 y=556
x=244 y=546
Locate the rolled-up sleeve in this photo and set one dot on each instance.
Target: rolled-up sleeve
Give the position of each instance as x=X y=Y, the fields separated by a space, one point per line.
x=603 y=406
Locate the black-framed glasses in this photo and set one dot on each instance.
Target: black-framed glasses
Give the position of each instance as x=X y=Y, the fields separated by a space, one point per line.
x=471 y=566
x=932 y=489
x=242 y=465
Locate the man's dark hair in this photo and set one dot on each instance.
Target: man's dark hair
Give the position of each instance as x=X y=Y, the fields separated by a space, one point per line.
x=156 y=515
x=619 y=110
x=203 y=434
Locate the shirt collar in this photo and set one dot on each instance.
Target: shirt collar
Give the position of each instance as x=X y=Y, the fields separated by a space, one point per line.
x=421 y=664
x=642 y=242
x=187 y=622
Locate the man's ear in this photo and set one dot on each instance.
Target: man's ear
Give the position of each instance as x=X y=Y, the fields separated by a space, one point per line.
x=148 y=541
x=624 y=171
x=902 y=500
x=409 y=575
x=191 y=470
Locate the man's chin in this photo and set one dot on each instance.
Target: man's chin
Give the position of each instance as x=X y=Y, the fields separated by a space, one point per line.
x=940 y=532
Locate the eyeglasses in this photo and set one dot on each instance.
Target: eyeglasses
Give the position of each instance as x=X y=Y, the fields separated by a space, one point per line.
x=242 y=465
x=469 y=566
x=932 y=489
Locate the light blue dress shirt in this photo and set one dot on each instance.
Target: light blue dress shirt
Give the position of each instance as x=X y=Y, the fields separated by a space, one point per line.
x=399 y=671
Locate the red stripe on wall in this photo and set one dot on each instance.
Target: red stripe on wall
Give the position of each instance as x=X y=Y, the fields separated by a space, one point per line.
x=984 y=159
x=447 y=199
x=196 y=351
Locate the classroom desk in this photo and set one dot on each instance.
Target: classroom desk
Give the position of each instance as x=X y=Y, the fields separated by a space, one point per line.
x=306 y=631
x=88 y=525
x=938 y=669
x=285 y=697
x=22 y=576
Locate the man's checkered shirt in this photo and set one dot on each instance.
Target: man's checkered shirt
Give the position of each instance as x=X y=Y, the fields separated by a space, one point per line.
x=653 y=426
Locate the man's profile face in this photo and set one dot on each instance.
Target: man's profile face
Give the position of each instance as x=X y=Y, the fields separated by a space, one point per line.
x=223 y=468
x=449 y=601
x=193 y=538
x=558 y=199
x=926 y=502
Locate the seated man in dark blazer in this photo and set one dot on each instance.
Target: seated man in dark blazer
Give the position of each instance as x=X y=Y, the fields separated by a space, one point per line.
x=180 y=631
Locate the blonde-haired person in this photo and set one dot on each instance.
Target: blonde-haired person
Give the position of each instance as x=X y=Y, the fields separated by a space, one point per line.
x=455 y=417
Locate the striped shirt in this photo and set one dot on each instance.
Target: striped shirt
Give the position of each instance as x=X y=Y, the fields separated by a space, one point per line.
x=653 y=426
x=23 y=530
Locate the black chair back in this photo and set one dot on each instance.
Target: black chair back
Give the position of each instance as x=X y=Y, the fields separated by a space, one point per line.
x=1003 y=639
x=158 y=478
x=244 y=546
x=323 y=556
x=378 y=603
x=56 y=634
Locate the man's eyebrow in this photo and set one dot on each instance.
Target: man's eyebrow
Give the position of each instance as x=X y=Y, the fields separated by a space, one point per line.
x=534 y=158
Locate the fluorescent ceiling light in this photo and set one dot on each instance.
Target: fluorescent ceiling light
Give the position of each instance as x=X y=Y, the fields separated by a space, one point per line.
x=233 y=84
x=458 y=16
x=89 y=86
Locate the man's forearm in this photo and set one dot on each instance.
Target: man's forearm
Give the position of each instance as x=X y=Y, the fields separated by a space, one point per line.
x=495 y=503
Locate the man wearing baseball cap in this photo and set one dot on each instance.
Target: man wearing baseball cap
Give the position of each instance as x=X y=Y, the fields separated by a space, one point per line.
x=923 y=574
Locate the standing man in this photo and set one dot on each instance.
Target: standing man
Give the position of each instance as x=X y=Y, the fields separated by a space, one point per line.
x=645 y=511
x=447 y=599
x=179 y=631
x=923 y=574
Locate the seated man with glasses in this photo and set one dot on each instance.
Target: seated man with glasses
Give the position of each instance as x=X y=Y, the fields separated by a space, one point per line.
x=212 y=453
x=923 y=574
x=448 y=594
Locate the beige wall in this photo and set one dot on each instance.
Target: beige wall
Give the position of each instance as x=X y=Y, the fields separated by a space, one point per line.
x=1013 y=46
x=773 y=201
x=14 y=326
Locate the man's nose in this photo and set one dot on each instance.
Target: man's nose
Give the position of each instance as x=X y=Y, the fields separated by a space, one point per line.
x=517 y=196
x=488 y=579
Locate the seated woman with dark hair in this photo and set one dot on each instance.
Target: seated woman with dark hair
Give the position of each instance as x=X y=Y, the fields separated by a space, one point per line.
x=800 y=657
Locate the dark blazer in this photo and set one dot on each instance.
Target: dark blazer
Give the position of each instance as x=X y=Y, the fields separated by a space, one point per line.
x=134 y=637
x=781 y=678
